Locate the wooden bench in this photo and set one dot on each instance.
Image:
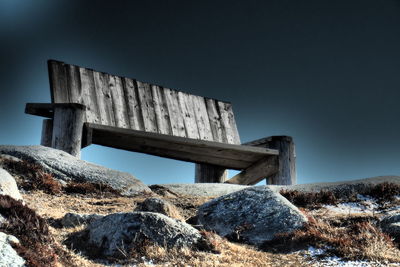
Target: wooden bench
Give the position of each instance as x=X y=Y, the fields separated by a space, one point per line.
x=92 y=107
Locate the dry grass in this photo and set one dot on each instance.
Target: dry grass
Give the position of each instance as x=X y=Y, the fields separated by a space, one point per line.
x=347 y=236
x=352 y=238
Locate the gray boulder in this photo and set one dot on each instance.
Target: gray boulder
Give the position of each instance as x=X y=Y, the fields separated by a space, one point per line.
x=8 y=256
x=68 y=168
x=118 y=233
x=159 y=205
x=253 y=215
x=75 y=219
x=203 y=189
x=8 y=186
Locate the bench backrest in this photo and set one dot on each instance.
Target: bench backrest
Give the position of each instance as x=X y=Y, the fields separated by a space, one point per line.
x=127 y=103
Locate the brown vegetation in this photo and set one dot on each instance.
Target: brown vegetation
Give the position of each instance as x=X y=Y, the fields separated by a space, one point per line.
x=32 y=176
x=36 y=246
x=353 y=238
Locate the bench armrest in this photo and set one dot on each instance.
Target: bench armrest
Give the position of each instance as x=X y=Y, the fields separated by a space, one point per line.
x=47 y=109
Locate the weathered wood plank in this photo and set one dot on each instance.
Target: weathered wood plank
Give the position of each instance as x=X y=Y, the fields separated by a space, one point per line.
x=118 y=102
x=226 y=155
x=147 y=107
x=104 y=98
x=74 y=84
x=132 y=104
x=67 y=128
x=47 y=132
x=174 y=111
x=228 y=122
x=255 y=173
x=206 y=173
x=203 y=122
x=215 y=122
x=88 y=95
x=58 y=82
x=186 y=106
x=40 y=109
x=161 y=110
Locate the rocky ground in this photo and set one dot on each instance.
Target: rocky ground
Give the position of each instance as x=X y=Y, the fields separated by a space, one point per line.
x=57 y=217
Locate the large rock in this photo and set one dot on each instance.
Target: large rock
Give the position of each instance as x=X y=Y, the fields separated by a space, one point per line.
x=8 y=186
x=203 y=189
x=159 y=205
x=129 y=230
x=68 y=168
x=252 y=215
x=8 y=256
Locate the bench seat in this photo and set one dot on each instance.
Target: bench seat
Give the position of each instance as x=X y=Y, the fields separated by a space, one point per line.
x=237 y=157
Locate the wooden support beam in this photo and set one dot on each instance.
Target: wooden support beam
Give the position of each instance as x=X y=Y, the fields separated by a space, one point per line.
x=255 y=173
x=207 y=173
x=287 y=158
x=199 y=151
x=67 y=128
x=47 y=132
x=40 y=109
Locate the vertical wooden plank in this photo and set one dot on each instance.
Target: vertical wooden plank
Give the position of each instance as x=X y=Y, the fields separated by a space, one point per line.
x=161 y=110
x=215 y=121
x=47 y=132
x=147 y=106
x=118 y=102
x=104 y=98
x=58 y=82
x=88 y=95
x=174 y=111
x=185 y=103
x=74 y=84
x=228 y=123
x=132 y=104
x=203 y=122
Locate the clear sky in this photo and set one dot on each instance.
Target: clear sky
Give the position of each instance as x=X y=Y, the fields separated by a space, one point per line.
x=325 y=72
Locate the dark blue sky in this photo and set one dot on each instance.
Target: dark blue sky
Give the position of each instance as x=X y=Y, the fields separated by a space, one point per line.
x=324 y=72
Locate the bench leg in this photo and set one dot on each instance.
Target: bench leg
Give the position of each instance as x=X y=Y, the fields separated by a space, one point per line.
x=287 y=160
x=206 y=173
x=47 y=132
x=67 y=128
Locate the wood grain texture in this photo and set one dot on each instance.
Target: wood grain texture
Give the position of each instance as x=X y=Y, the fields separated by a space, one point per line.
x=147 y=107
x=161 y=110
x=215 y=121
x=104 y=98
x=228 y=123
x=47 y=132
x=67 y=128
x=189 y=118
x=287 y=158
x=199 y=151
x=175 y=114
x=255 y=173
x=118 y=102
x=88 y=95
x=201 y=115
x=58 y=82
x=133 y=105
x=206 y=173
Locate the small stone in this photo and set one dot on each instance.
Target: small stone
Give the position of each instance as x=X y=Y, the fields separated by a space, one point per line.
x=162 y=206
